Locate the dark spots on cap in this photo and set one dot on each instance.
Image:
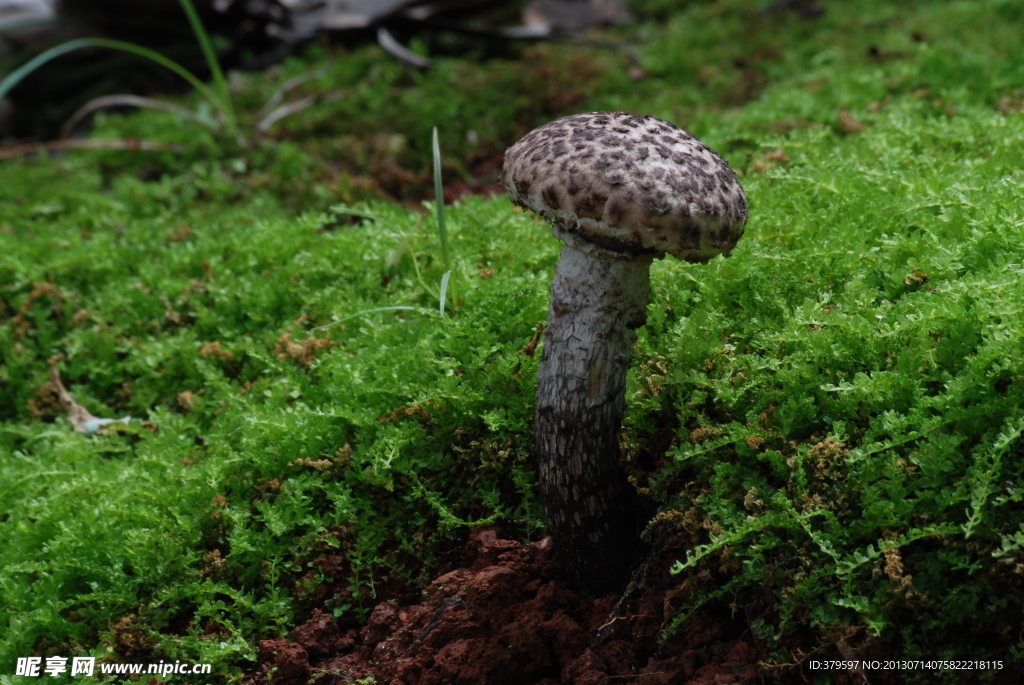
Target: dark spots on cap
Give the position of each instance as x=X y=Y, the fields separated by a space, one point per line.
x=657 y=207
x=603 y=162
x=574 y=187
x=550 y=197
x=698 y=173
x=641 y=152
x=590 y=207
x=614 y=211
x=721 y=236
x=522 y=186
x=615 y=179
x=559 y=148
x=663 y=151
x=690 y=235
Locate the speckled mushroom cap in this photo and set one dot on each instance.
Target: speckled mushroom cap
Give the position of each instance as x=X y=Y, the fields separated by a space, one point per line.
x=632 y=184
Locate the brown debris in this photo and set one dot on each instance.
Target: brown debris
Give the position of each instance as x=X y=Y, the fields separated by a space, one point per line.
x=186 y=399
x=531 y=347
x=769 y=161
x=303 y=352
x=828 y=451
x=915 y=278
x=400 y=413
x=849 y=124
x=47 y=402
x=754 y=442
x=1012 y=103
x=314 y=464
x=182 y=232
x=213 y=349
x=699 y=435
x=81 y=316
x=132 y=637
x=216 y=567
x=42 y=289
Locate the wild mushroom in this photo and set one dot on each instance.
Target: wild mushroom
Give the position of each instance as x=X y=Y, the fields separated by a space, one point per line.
x=619 y=191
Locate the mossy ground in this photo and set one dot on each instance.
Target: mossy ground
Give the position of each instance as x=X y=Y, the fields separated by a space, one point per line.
x=834 y=412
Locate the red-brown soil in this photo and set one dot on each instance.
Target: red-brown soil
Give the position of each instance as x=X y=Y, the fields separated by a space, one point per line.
x=507 y=619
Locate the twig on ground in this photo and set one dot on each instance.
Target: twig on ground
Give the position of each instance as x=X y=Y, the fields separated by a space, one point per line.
x=31 y=148
x=399 y=51
x=294 y=82
x=81 y=419
x=126 y=101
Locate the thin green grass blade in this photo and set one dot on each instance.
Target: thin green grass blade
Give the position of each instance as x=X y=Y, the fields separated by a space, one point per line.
x=211 y=59
x=439 y=202
x=15 y=77
x=371 y=311
x=444 y=289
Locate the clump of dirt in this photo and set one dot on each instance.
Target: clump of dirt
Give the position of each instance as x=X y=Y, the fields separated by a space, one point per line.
x=506 y=618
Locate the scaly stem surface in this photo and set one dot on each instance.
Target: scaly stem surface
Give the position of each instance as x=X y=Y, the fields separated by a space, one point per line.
x=598 y=300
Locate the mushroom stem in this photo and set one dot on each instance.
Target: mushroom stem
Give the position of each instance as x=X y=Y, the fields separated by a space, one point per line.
x=598 y=300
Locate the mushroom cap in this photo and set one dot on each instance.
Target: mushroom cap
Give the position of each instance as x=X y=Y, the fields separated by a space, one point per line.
x=631 y=184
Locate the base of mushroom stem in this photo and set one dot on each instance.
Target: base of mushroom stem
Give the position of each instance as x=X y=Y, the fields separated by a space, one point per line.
x=604 y=566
